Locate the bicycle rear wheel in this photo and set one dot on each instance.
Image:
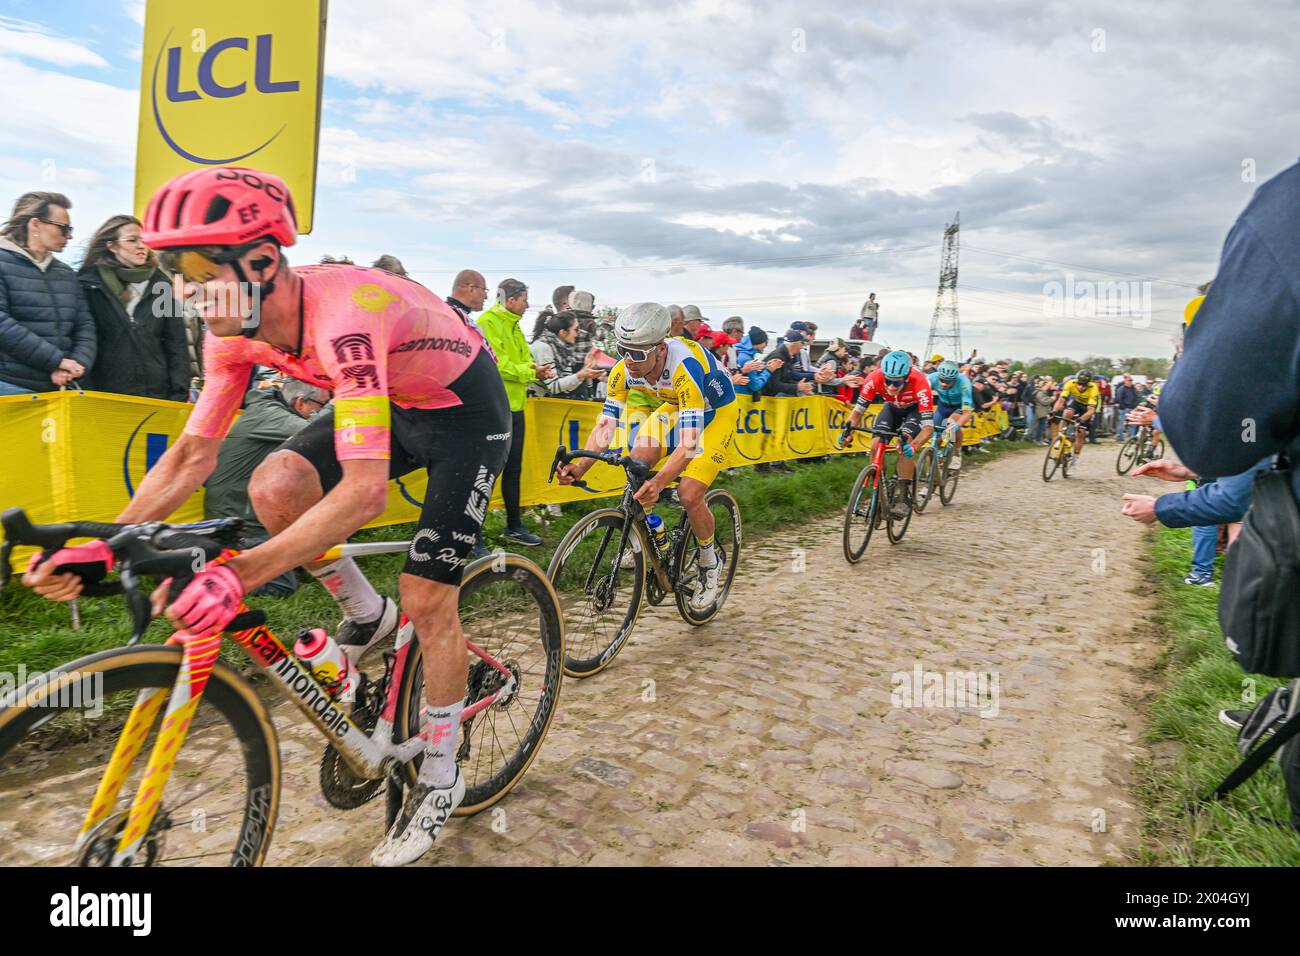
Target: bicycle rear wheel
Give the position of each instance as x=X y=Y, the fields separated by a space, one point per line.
x=895 y=528
x=509 y=610
x=860 y=517
x=58 y=733
x=927 y=468
x=599 y=615
x=686 y=561
x=1128 y=454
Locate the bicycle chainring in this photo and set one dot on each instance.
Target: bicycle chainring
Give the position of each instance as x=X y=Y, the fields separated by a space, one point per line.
x=339 y=783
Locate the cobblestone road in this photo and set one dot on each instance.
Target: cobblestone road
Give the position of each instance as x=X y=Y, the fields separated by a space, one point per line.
x=769 y=736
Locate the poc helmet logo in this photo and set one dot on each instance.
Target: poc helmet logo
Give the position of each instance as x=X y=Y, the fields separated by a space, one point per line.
x=252 y=54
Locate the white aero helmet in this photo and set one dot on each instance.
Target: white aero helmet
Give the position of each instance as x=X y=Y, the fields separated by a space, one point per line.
x=642 y=325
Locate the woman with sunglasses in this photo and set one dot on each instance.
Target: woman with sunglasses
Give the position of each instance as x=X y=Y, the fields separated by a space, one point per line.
x=47 y=335
x=692 y=425
x=909 y=410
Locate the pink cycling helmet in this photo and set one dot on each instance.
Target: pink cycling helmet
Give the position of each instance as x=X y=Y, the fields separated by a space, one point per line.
x=220 y=206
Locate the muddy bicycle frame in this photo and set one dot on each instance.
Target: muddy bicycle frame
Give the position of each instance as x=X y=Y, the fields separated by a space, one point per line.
x=638 y=472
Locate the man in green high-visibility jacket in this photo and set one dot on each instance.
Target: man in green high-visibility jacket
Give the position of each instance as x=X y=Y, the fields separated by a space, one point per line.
x=500 y=326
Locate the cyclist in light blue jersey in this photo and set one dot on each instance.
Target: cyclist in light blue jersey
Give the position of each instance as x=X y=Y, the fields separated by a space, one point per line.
x=953 y=404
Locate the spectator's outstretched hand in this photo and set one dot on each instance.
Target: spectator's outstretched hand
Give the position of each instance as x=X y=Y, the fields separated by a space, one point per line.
x=1140 y=508
x=1142 y=416
x=1166 y=470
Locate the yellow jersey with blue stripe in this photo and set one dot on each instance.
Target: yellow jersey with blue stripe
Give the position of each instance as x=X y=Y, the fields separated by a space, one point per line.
x=691 y=380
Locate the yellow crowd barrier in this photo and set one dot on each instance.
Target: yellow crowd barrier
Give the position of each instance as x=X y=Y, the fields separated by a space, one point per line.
x=80 y=456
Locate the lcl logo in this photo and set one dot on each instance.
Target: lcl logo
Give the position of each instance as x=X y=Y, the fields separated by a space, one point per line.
x=255 y=52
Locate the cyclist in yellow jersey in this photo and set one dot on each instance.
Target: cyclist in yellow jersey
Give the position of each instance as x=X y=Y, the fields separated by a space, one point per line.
x=1082 y=397
x=694 y=423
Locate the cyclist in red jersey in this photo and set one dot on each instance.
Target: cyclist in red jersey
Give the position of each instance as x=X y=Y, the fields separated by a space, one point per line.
x=413 y=388
x=909 y=409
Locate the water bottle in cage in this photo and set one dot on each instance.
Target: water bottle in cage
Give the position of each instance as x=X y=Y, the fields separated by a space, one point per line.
x=328 y=663
x=659 y=532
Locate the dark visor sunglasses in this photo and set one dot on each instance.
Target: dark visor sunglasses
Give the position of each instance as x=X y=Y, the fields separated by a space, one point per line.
x=198 y=265
x=895 y=382
x=636 y=355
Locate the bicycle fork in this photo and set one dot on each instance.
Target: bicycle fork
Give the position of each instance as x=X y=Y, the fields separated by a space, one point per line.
x=198 y=656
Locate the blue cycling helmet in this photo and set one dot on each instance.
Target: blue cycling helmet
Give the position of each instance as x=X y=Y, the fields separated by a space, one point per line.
x=948 y=371
x=896 y=364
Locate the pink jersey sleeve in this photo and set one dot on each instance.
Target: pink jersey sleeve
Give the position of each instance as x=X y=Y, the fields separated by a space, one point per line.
x=225 y=380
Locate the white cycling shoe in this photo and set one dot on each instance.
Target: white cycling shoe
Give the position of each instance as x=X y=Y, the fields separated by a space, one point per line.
x=706 y=592
x=426 y=812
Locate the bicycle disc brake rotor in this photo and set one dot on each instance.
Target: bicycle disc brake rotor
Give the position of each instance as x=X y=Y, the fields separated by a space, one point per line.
x=102 y=842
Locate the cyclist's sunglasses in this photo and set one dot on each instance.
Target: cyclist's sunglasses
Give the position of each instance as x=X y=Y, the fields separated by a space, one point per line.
x=636 y=355
x=198 y=265
x=895 y=382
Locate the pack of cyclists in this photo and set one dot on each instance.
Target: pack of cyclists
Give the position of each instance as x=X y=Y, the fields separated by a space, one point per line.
x=415 y=387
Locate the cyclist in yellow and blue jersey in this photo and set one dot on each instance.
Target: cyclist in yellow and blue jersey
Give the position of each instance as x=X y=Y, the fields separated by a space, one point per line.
x=694 y=423
x=1081 y=396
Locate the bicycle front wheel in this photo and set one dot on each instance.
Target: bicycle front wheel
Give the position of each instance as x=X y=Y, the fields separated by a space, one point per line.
x=860 y=517
x=509 y=610
x=948 y=478
x=1128 y=454
x=927 y=470
x=58 y=737
x=600 y=607
x=1053 y=459
x=686 y=562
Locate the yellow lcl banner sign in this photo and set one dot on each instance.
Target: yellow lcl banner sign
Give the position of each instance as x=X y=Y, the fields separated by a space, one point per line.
x=231 y=84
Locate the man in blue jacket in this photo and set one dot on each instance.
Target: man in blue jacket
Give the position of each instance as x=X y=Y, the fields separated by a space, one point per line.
x=749 y=350
x=1231 y=396
x=47 y=334
x=1215 y=502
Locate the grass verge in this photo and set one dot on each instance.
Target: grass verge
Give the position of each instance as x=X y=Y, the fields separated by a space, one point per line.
x=37 y=634
x=1190 y=750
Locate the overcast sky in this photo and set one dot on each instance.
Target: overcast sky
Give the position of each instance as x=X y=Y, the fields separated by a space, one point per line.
x=775 y=160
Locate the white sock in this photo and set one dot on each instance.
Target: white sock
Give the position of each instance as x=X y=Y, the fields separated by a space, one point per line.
x=708 y=557
x=441 y=728
x=357 y=597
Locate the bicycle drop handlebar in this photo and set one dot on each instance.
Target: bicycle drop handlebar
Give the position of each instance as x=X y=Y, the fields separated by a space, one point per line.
x=150 y=548
x=638 y=469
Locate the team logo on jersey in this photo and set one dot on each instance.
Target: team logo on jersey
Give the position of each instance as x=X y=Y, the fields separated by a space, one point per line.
x=354 y=347
x=367 y=376
x=372 y=297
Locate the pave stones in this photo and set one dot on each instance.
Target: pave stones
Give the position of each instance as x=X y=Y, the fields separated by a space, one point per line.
x=778 y=834
x=837 y=777
x=860 y=856
x=603 y=771
x=936 y=778
x=983 y=834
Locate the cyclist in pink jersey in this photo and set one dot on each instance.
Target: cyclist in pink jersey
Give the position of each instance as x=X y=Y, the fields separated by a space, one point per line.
x=413 y=388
